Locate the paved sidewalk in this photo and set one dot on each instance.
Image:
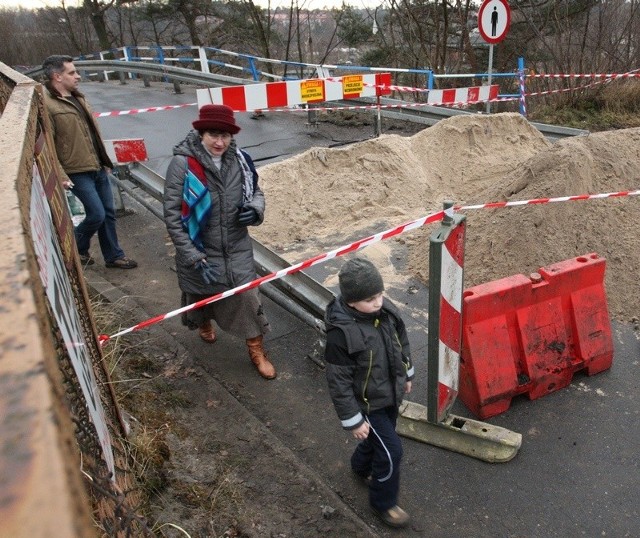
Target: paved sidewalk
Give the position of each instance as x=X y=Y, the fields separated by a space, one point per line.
x=279 y=474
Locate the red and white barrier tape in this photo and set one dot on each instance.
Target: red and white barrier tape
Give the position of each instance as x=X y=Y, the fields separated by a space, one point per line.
x=319 y=109
x=587 y=75
x=139 y=110
x=539 y=201
x=358 y=245
x=320 y=258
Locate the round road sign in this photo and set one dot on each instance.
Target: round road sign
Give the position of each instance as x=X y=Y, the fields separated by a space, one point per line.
x=494 y=19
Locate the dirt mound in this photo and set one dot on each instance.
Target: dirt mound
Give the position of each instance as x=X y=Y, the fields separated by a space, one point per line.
x=519 y=240
x=325 y=198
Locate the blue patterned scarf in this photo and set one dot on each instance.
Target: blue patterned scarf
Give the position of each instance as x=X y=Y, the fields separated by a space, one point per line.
x=196 y=202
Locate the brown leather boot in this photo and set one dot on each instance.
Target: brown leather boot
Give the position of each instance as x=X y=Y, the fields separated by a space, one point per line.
x=259 y=357
x=207 y=332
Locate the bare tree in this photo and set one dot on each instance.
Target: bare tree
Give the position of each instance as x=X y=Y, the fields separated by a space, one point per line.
x=96 y=11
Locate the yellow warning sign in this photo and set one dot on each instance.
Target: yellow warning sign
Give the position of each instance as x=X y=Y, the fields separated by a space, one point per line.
x=352 y=84
x=312 y=90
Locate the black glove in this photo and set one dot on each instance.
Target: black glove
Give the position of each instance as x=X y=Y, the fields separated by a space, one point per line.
x=247 y=216
x=208 y=273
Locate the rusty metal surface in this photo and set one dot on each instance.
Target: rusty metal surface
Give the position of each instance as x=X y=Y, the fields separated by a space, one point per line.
x=52 y=462
x=37 y=473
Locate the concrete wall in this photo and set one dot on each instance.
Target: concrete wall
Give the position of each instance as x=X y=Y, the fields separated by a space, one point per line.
x=60 y=433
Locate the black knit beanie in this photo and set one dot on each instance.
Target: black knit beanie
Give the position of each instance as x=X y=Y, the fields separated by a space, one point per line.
x=359 y=279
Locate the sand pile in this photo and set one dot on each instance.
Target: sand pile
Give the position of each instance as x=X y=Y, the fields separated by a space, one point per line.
x=325 y=198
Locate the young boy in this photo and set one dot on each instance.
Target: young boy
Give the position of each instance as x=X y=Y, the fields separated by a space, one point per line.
x=369 y=369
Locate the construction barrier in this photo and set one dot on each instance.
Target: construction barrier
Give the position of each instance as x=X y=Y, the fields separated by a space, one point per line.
x=125 y=151
x=446 y=262
x=530 y=335
x=434 y=424
x=295 y=92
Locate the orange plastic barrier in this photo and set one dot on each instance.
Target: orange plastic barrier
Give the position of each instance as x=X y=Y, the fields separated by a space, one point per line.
x=529 y=335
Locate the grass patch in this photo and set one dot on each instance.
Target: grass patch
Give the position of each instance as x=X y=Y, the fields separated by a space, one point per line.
x=153 y=402
x=615 y=105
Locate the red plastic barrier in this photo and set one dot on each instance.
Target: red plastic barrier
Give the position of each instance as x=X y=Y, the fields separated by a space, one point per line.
x=530 y=335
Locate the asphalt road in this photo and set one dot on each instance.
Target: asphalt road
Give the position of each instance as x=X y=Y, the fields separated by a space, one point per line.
x=272 y=138
x=577 y=472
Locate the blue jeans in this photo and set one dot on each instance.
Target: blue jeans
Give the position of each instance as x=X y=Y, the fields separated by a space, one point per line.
x=379 y=455
x=93 y=189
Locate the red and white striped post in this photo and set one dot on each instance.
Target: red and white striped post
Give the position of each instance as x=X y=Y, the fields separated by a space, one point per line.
x=446 y=265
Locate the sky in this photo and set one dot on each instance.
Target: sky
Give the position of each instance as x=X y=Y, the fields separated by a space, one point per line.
x=311 y=4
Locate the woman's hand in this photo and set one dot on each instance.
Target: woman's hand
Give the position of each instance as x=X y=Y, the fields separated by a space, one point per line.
x=208 y=273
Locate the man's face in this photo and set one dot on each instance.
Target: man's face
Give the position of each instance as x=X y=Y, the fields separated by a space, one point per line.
x=69 y=79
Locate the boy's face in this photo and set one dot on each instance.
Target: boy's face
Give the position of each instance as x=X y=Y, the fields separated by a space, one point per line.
x=369 y=305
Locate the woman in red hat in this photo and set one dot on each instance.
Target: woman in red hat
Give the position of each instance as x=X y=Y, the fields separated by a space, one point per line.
x=211 y=196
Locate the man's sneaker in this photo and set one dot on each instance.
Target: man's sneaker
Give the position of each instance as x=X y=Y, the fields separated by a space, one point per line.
x=394 y=517
x=86 y=259
x=122 y=263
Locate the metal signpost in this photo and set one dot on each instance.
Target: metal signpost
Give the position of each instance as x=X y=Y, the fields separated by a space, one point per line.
x=494 y=19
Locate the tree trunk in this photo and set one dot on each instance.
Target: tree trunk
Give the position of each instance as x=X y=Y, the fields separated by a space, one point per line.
x=96 y=12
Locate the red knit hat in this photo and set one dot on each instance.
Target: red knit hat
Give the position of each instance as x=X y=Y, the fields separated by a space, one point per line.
x=217 y=118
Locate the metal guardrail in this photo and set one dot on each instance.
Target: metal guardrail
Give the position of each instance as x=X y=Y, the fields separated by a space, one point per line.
x=427 y=114
x=430 y=115
x=152 y=70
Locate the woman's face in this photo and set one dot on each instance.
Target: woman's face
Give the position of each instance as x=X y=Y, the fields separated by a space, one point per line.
x=216 y=142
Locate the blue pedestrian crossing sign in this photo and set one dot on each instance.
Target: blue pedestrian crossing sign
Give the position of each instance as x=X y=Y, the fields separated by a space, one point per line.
x=494 y=19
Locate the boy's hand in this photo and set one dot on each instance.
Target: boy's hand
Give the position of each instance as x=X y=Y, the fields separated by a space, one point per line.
x=361 y=432
x=408 y=386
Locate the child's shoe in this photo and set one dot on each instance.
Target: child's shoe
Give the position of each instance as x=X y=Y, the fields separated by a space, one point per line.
x=364 y=479
x=394 y=517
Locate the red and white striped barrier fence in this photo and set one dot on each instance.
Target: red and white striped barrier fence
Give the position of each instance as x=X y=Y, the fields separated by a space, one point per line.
x=291 y=93
x=358 y=245
x=470 y=99
x=281 y=96
x=300 y=92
